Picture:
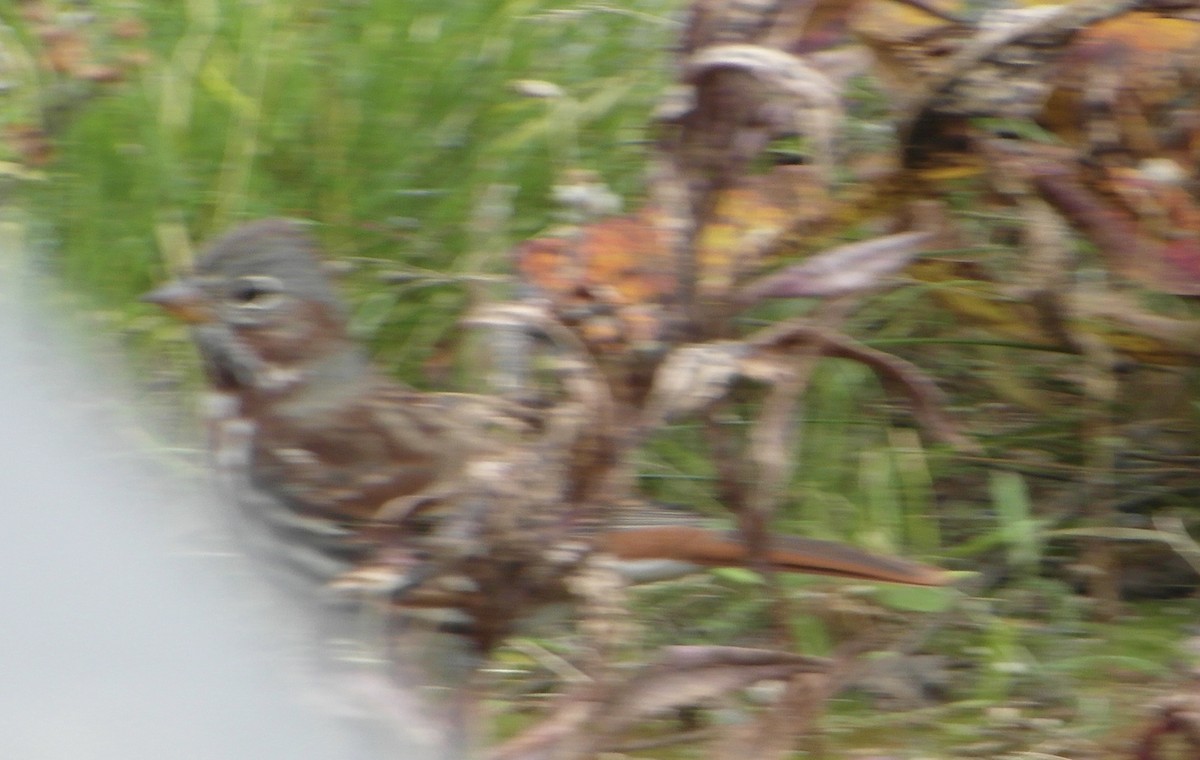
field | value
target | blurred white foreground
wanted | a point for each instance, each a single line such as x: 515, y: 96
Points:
x: 121, y: 638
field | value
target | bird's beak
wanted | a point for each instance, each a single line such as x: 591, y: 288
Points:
x: 183, y: 301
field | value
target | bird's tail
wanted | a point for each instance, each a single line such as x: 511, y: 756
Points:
x: 700, y: 547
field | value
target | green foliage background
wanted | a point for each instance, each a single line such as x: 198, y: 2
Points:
x: 390, y: 123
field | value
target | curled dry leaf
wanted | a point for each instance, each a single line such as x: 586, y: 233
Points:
x: 687, y: 675
x: 789, y: 75
x: 741, y: 88
x: 792, y: 97
x: 692, y: 377
x: 928, y: 401
x: 681, y: 677
x: 845, y: 269
x: 741, y: 98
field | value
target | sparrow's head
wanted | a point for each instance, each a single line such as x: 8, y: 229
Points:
x: 260, y: 305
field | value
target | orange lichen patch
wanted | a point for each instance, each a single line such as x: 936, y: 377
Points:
x: 541, y: 263
x: 605, y: 277
x: 625, y: 254
x: 613, y: 259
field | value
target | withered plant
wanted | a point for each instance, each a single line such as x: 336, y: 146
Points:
x: 1080, y: 118
x: 642, y: 320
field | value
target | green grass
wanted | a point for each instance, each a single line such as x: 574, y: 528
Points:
x: 390, y: 123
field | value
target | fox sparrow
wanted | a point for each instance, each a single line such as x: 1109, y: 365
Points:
x: 342, y: 473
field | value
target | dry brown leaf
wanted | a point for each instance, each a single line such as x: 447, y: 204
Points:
x: 747, y: 95
x: 1147, y: 229
x: 687, y: 675
x: 681, y: 677
x: 693, y: 377
x: 928, y: 401
x: 849, y: 268
x: 737, y: 99
x: 772, y: 733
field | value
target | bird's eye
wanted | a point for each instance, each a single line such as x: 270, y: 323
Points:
x: 256, y: 290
